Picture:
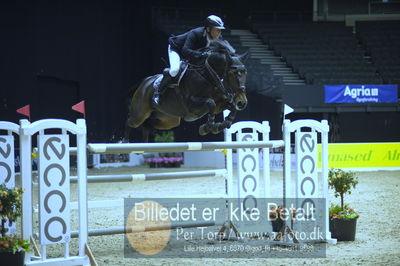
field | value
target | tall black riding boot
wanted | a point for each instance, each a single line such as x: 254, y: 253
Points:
x: 166, y: 80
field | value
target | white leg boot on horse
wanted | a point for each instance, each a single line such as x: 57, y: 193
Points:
x: 158, y: 92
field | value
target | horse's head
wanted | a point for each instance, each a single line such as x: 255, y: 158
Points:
x: 231, y: 68
x: 236, y: 80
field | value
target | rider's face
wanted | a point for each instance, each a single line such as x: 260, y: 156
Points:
x: 215, y: 33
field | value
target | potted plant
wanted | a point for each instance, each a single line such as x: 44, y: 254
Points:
x: 342, y: 218
x: 278, y: 217
x: 12, y: 248
x: 168, y: 159
x: 164, y: 136
x: 276, y: 220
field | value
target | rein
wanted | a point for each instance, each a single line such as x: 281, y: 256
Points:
x: 217, y: 80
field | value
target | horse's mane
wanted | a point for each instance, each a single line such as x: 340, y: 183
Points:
x: 221, y: 45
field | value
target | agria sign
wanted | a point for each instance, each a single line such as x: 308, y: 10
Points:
x: 54, y: 188
x: 361, y: 94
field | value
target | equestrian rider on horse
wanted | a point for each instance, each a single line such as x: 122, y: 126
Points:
x: 188, y: 45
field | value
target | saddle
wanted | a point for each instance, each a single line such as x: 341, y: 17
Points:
x: 175, y: 80
x: 182, y: 70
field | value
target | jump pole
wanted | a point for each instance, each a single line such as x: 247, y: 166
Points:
x: 123, y: 230
x: 111, y: 148
x: 152, y: 176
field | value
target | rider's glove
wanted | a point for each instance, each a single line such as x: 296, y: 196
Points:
x: 206, y: 54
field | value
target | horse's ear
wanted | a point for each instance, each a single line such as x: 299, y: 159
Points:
x: 243, y: 57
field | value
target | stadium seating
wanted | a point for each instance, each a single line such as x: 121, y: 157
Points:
x: 322, y: 53
x: 381, y: 40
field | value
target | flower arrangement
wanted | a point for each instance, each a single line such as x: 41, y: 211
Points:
x: 14, y: 244
x: 10, y: 210
x: 342, y: 182
x: 336, y: 212
x: 164, y: 161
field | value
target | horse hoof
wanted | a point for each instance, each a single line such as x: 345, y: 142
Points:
x: 203, y: 131
x: 227, y: 124
x: 215, y: 131
x: 124, y: 140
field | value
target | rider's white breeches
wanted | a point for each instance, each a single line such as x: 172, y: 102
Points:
x: 174, y: 62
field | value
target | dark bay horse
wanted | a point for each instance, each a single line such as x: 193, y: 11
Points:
x: 210, y: 88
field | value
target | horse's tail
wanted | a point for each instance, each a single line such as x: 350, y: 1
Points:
x: 132, y: 90
x: 129, y: 97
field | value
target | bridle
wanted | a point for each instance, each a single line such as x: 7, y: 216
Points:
x: 217, y: 80
x: 240, y: 88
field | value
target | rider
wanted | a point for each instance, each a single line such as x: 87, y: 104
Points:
x: 188, y: 45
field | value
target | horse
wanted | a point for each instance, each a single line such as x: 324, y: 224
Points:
x: 209, y: 88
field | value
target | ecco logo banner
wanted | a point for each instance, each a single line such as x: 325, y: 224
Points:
x: 361, y: 94
x: 54, y: 189
x: 307, y: 179
x: 249, y: 187
x: 307, y: 165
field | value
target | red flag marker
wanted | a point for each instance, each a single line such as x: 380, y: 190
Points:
x: 26, y: 111
x: 80, y: 108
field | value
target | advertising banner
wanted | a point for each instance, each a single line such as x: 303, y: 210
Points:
x: 363, y: 155
x: 361, y: 94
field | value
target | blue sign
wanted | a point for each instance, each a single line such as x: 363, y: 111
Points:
x: 361, y: 94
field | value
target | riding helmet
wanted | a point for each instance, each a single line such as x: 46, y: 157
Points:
x: 214, y: 21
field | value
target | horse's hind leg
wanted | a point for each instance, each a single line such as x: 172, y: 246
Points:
x: 147, y: 130
x: 163, y: 121
x: 136, y: 118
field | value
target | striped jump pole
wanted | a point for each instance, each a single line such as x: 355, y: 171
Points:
x: 111, y: 148
x: 124, y: 230
x: 151, y: 176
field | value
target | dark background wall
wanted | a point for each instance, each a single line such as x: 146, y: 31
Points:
x: 54, y: 54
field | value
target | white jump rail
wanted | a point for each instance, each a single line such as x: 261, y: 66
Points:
x: 111, y: 148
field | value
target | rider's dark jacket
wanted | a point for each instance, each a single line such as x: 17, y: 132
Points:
x: 188, y: 44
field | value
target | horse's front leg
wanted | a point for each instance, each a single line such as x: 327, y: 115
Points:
x: 229, y: 119
x: 220, y: 126
x: 209, y: 125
